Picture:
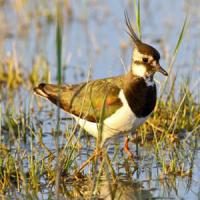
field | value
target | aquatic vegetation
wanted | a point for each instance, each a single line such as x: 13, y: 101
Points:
x: 11, y: 74
x: 41, y: 148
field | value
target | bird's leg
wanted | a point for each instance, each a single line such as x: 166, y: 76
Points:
x: 127, y: 150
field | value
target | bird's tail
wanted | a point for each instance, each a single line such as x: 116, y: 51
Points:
x: 48, y: 91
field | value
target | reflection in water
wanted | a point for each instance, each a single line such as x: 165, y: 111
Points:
x: 121, y: 189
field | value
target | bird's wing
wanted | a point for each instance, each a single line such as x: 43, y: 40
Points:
x: 93, y: 101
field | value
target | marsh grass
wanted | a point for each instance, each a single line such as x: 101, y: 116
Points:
x: 40, y: 71
x: 30, y: 168
x: 11, y: 74
x: 137, y: 16
x: 59, y: 82
x: 174, y: 55
x: 36, y: 167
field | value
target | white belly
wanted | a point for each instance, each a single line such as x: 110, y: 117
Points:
x: 121, y: 122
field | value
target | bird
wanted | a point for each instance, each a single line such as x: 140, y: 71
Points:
x: 109, y: 107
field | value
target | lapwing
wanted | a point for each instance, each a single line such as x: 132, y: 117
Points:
x: 112, y: 106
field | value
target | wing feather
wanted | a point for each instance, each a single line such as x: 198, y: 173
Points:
x: 85, y: 100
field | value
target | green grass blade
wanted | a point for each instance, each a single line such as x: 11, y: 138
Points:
x: 180, y: 39
x: 137, y: 16
x: 175, y: 52
x: 59, y: 81
x: 59, y: 46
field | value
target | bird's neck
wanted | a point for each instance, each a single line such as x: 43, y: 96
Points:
x: 140, y: 94
x: 138, y: 73
x: 149, y: 81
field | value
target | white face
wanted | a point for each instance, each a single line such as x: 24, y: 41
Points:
x: 139, y: 68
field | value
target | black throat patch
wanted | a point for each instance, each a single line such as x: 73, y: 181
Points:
x: 141, y: 98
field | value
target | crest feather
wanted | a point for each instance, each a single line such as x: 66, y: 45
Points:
x: 130, y: 30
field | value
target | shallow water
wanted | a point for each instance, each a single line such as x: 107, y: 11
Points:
x: 95, y: 45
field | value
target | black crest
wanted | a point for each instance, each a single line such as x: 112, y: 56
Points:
x: 130, y: 30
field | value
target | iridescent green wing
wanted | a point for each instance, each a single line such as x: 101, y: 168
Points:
x: 93, y: 101
x: 96, y: 99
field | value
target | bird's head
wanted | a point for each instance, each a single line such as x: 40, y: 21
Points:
x: 145, y: 59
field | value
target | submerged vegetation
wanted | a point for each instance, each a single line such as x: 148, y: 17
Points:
x: 41, y: 150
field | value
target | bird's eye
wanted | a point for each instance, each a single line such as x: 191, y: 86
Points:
x: 145, y: 60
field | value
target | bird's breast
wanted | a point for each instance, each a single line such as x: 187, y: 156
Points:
x: 123, y: 120
x: 140, y: 96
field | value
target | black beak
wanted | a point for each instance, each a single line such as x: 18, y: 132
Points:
x: 161, y: 70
